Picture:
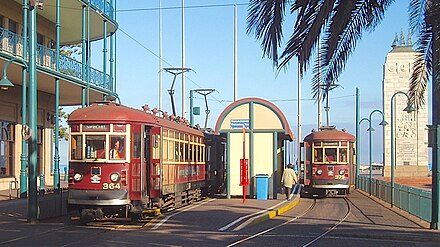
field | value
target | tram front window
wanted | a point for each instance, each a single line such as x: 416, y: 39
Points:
x: 76, y: 147
x: 330, y: 154
x: 95, y: 146
x: 117, y: 147
x: 318, y: 155
x: 343, y: 155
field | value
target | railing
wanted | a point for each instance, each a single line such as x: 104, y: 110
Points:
x: 103, y: 6
x: 12, y: 44
x: 412, y: 200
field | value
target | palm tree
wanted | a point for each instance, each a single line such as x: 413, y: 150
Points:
x: 339, y: 24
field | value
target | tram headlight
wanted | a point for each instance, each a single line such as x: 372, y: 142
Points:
x: 77, y: 177
x: 341, y: 172
x: 115, y: 177
x: 319, y: 172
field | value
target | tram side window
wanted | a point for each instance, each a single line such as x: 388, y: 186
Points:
x: 137, y: 145
x: 95, y: 146
x: 318, y: 155
x: 76, y: 147
x: 343, y: 155
x: 117, y: 150
x: 330, y: 154
x: 156, y: 146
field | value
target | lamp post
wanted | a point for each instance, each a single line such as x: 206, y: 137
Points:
x: 409, y: 108
x: 5, y: 84
x: 358, y: 151
x: 370, y: 129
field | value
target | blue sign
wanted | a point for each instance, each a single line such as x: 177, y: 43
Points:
x: 239, y: 123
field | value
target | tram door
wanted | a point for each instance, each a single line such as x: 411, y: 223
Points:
x: 305, y: 156
x: 153, y: 145
x: 145, y: 157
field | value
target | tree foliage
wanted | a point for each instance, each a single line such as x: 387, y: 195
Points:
x: 63, y: 129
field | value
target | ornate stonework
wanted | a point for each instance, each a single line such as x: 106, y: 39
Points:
x: 411, y: 136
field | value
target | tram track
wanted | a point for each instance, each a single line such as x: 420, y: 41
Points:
x: 301, y: 216
x: 333, y: 227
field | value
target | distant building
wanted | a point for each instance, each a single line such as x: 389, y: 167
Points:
x: 411, y: 136
x: 81, y: 22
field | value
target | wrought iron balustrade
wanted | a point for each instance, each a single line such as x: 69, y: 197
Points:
x: 104, y: 6
x: 12, y: 44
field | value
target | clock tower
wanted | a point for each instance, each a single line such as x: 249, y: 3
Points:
x: 410, y: 129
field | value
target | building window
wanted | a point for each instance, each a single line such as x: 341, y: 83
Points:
x: 6, y: 149
x: 13, y: 26
x: 1, y: 21
x: 40, y: 39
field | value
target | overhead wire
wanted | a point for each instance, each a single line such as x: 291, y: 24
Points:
x: 163, y: 60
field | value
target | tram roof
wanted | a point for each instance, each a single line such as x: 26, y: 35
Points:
x: 110, y: 112
x: 329, y: 133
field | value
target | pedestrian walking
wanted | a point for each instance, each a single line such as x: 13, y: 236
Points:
x: 288, y: 180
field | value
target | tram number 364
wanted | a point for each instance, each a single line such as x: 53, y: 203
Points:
x: 111, y: 186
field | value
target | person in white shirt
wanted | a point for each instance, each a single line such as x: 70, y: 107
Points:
x: 288, y: 180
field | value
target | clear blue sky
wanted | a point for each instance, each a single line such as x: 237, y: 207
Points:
x: 209, y: 52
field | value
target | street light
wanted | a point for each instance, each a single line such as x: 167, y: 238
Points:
x: 370, y: 129
x: 5, y: 83
x: 409, y: 108
x: 358, y: 151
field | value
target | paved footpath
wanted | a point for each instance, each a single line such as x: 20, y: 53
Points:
x: 371, y: 218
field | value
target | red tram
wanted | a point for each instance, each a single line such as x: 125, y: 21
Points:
x: 327, y: 162
x: 125, y: 161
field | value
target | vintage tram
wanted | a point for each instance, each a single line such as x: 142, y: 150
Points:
x: 327, y: 161
x: 125, y: 161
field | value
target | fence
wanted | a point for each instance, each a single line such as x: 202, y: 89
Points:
x: 412, y: 200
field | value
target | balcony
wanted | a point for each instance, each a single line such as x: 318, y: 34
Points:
x: 12, y: 44
x: 71, y: 14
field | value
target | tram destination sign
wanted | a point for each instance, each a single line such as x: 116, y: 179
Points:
x: 96, y: 127
x: 239, y: 123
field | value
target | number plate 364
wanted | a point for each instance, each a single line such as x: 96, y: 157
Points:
x: 111, y: 186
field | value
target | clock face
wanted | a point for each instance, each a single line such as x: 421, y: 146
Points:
x: 392, y: 68
x: 404, y: 67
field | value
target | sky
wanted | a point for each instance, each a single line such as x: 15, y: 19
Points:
x: 209, y: 54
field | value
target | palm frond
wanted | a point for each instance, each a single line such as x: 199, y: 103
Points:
x: 265, y: 21
x: 417, y: 15
x: 418, y: 81
x: 306, y: 33
x: 365, y: 17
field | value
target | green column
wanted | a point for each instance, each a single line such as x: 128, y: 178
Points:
x: 358, y: 156
x: 56, y: 170
x: 191, y: 105
x: 435, y: 124
x: 435, y: 181
x: 24, y: 147
x: 32, y: 200
x: 275, y: 166
x: 104, y: 53
x: 83, y: 53
x: 228, y: 168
